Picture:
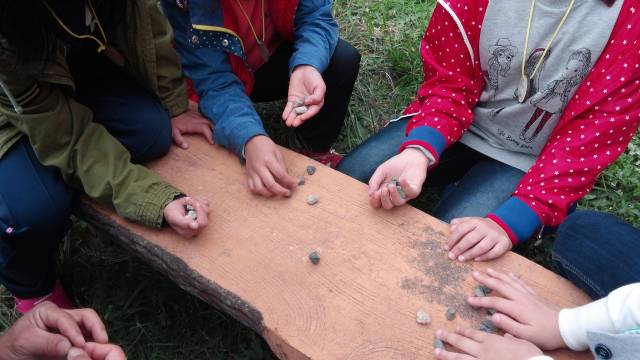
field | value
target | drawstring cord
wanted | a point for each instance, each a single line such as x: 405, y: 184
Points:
x: 13, y: 101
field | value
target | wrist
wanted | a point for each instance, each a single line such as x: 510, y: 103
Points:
x: 417, y: 157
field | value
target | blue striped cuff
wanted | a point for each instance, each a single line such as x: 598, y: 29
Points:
x: 519, y: 217
x: 429, y: 135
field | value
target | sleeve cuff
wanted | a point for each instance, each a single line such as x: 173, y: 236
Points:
x: 300, y: 59
x: 517, y: 219
x: 575, y: 323
x: 151, y: 208
x: 427, y: 137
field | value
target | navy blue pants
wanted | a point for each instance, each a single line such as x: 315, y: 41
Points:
x: 598, y: 252
x: 35, y: 203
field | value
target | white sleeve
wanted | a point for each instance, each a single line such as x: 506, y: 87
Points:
x: 618, y: 312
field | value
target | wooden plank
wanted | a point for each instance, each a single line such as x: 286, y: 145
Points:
x: 377, y: 268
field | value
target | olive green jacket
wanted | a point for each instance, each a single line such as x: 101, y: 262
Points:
x: 63, y: 134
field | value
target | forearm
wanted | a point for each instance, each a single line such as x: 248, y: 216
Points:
x: 316, y: 35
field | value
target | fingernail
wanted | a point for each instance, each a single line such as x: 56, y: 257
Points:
x: 460, y: 258
x: 446, y: 247
x: 475, y: 273
x: 75, y: 352
x: 452, y: 256
x: 439, y: 333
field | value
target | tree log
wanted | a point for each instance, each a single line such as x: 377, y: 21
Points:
x: 377, y: 267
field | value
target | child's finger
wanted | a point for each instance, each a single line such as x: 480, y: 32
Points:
x: 179, y: 139
x: 467, y: 242
x: 478, y: 336
x: 374, y: 200
x: 463, y: 343
x: 458, y: 231
x: 396, y: 199
x: 442, y: 354
x: 481, y: 248
x: 522, y: 284
x: 496, y: 284
x: 287, y: 111
x: 509, y: 325
x: 507, y: 280
x: 377, y: 179
x: 498, y: 250
x: 385, y: 198
x: 502, y: 305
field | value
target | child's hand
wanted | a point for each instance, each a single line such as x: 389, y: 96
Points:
x: 176, y: 216
x: 475, y: 344
x: 474, y: 238
x: 306, y: 86
x: 410, y: 167
x: 521, y: 312
x: 190, y: 122
x: 266, y: 172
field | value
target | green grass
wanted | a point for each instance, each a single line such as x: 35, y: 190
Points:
x: 154, y: 319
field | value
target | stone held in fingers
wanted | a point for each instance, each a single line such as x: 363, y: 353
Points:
x: 396, y: 183
x: 311, y: 169
x: 438, y: 344
x: 312, y: 199
x: 191, y: 212
x: 314, y: 257
x: 301, y: 181
x: 301, y: 110
x: 451, y: 313
x: 423, y: 318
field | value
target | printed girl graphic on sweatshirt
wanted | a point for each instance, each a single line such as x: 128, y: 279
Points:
x: 502, y: 53
x: 555, y: 95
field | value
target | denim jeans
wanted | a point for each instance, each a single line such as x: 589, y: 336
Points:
x: 36, y: 200
x: 598, y: 252
x: 474, y: 184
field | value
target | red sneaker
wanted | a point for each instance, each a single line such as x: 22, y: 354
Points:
x: 58, y: 296
x: 330, y: 158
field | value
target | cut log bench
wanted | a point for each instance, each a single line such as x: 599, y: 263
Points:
x: 377, y: 268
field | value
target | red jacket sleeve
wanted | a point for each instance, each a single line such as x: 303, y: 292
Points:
x: 569, y: 165
x: 452, y: 82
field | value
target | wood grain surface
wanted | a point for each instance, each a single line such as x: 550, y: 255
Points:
x: 377, y: 267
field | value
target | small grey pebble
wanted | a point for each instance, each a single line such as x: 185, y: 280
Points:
x: 451, y: 313
x: 191, y: 214
x: 314, y: 257
x: 422, y: 317
x: 488, y: 326
x: 438, y: 344
x: 312, y: 199
x: 482, y: 291
x: 491, y: 311
x: 301, y: 110
x: 396, y: 183
x: 311, y: 169
x: 301, y: 181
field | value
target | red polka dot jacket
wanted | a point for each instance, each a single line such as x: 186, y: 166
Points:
x: 595, y: 128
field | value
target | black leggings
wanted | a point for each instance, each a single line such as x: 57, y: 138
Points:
x: 319, y: 133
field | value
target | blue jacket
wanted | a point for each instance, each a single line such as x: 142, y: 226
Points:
x: 222, y: 96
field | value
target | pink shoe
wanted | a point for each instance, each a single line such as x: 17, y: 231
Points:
x: 58, y: 296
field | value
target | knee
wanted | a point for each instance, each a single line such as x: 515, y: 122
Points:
x: 43, y: 215
x: 153, y: 139
x: 346, y: 59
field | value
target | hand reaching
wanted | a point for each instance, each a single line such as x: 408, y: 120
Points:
x: 410, y: 167
x: 474, y: 344
x: 306, y: 88
x: 475, y: 238
x: 175, y: 214
x: 190, y: 122
x: 521, y: 312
